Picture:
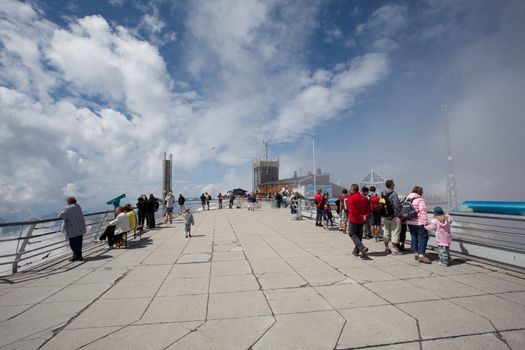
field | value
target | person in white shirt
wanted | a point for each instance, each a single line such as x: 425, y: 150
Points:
x: 116, y: 228
x: 170, y: 203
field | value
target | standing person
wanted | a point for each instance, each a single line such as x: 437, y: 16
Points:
x: 232, y: 198
x: 367, y: 233
x: 344, y: 211
x: 74, y: 227
x: 153, y: 206
x: 142, y: 210
x: 220, y: 198
x: 181, y: 202
x: 208, y: 199
x: 391, y: 222
x: 278, y: 199
x: 318, y: 199
x: 203, y: 201
x: 357, y: 217
x: 188, y: 221
x: 170, y: 204
x: 440, y: 225
x: 418, y: 233
x: 374, y: 219
x: 403, y: 231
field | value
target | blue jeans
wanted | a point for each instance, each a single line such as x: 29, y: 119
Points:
x: 419, y: 239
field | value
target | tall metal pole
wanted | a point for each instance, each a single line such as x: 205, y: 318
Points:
x: 313, y: 158
x: 452, y: 198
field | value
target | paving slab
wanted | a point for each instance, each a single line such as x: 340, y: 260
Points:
x: 111, y: 312
x: 79, y: 292
x: 488, y: 283
x: 503, y: 314
x: 184, y: 286
x: 149, y: 272
x: 515, y: 339
x: 444, y: 287
x: 515, y: 297
x: 292, y: 300
x: 180, y: 308
x: 76, y: 338
x: 218, y: 334
x: 190, y: 270
x: 367, y: 274
x: 400, y: 291
x: 139, y: 337
x: 441, y: 318
x: 312, y: 330
x: 472, y: 342
x: 133, y: 289
x: 240, y: 304
x: 236, y: 283
x: 350, y: 296
x: 280, y: 280
x: 384, y: 324
x: 229, y: 268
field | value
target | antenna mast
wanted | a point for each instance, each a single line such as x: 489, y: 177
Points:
x: 452, y: 197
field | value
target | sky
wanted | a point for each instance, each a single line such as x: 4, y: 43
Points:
x: 92, y: 93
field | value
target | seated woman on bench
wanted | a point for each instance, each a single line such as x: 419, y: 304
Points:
x: 117, y: 229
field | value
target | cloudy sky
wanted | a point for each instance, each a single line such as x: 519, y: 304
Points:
x: 92, y: 94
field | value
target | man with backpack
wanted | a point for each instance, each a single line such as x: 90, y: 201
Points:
x: 357, y: 217
x: 374, y: 219
x: 390, y: 211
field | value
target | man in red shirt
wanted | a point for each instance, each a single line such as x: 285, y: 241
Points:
x: 358, y: 210
x: 318, y: 198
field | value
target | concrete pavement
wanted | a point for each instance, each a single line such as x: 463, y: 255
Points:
x: 262, y: 280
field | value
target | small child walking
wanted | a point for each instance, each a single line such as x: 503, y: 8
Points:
x: 440, y: 225
x: 188, y: 221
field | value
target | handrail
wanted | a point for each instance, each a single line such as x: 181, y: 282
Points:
x: 41, y: 221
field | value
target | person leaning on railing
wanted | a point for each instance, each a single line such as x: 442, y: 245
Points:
x: 74, y: 227
x: 116, y: 228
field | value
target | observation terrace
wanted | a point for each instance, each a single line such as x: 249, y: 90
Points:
x: 263, y: 280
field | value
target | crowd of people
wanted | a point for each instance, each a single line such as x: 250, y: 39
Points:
x: 362, y: 213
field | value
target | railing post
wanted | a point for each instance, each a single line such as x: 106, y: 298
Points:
x: 21, y: 249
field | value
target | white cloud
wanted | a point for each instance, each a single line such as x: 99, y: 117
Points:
x: 386, y: 21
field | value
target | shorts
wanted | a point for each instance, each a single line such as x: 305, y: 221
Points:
x: 344, y: 216
x: 169, y: 210
x: 187, y: 227
x: 374, y: 219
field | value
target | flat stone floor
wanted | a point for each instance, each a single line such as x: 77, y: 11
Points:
x: 259, y: 280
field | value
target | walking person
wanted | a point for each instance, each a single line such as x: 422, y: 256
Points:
x: 440, y: 225
x: 142, y: 210
x: 203, y: 201
x: 188, y: 221
x: 418, y: 233
x: 170, y: 204
x: 357, y: 216
x: 220, y: 197
x: 318, y: 199
x: 74, y: 227
x: 181, y: 200
x: 231, y: 198
x: 391, y: 220
x: 208, y: 199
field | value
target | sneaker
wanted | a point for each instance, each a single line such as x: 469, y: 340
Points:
x: 416, y: 257
x: 388, y: 251
x: 442, y: 263
x: 355, y: 252
x: 186, y: 236
x: 401, y: 247
x: 423, y: 259
x: 395, y: 252
x: 364, y: 251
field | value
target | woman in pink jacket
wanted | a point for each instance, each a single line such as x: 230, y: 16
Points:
x: 418, y: 233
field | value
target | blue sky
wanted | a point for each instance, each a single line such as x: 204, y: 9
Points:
x: 92, y: 93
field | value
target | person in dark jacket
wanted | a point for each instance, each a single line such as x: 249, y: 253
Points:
x: 203, y: 201
x: 142, y: 210
x: 152, y: 208
x: 181, y: 201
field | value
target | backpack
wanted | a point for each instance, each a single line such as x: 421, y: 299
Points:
x: 374, y: 203
x: 408, y: 212
x: 386, y: 208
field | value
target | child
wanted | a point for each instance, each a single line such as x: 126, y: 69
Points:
x: 188, y: 221
x: 440, y: 225
x: 327, y: 216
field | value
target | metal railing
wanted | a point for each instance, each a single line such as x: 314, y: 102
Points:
x: 25, y: 244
